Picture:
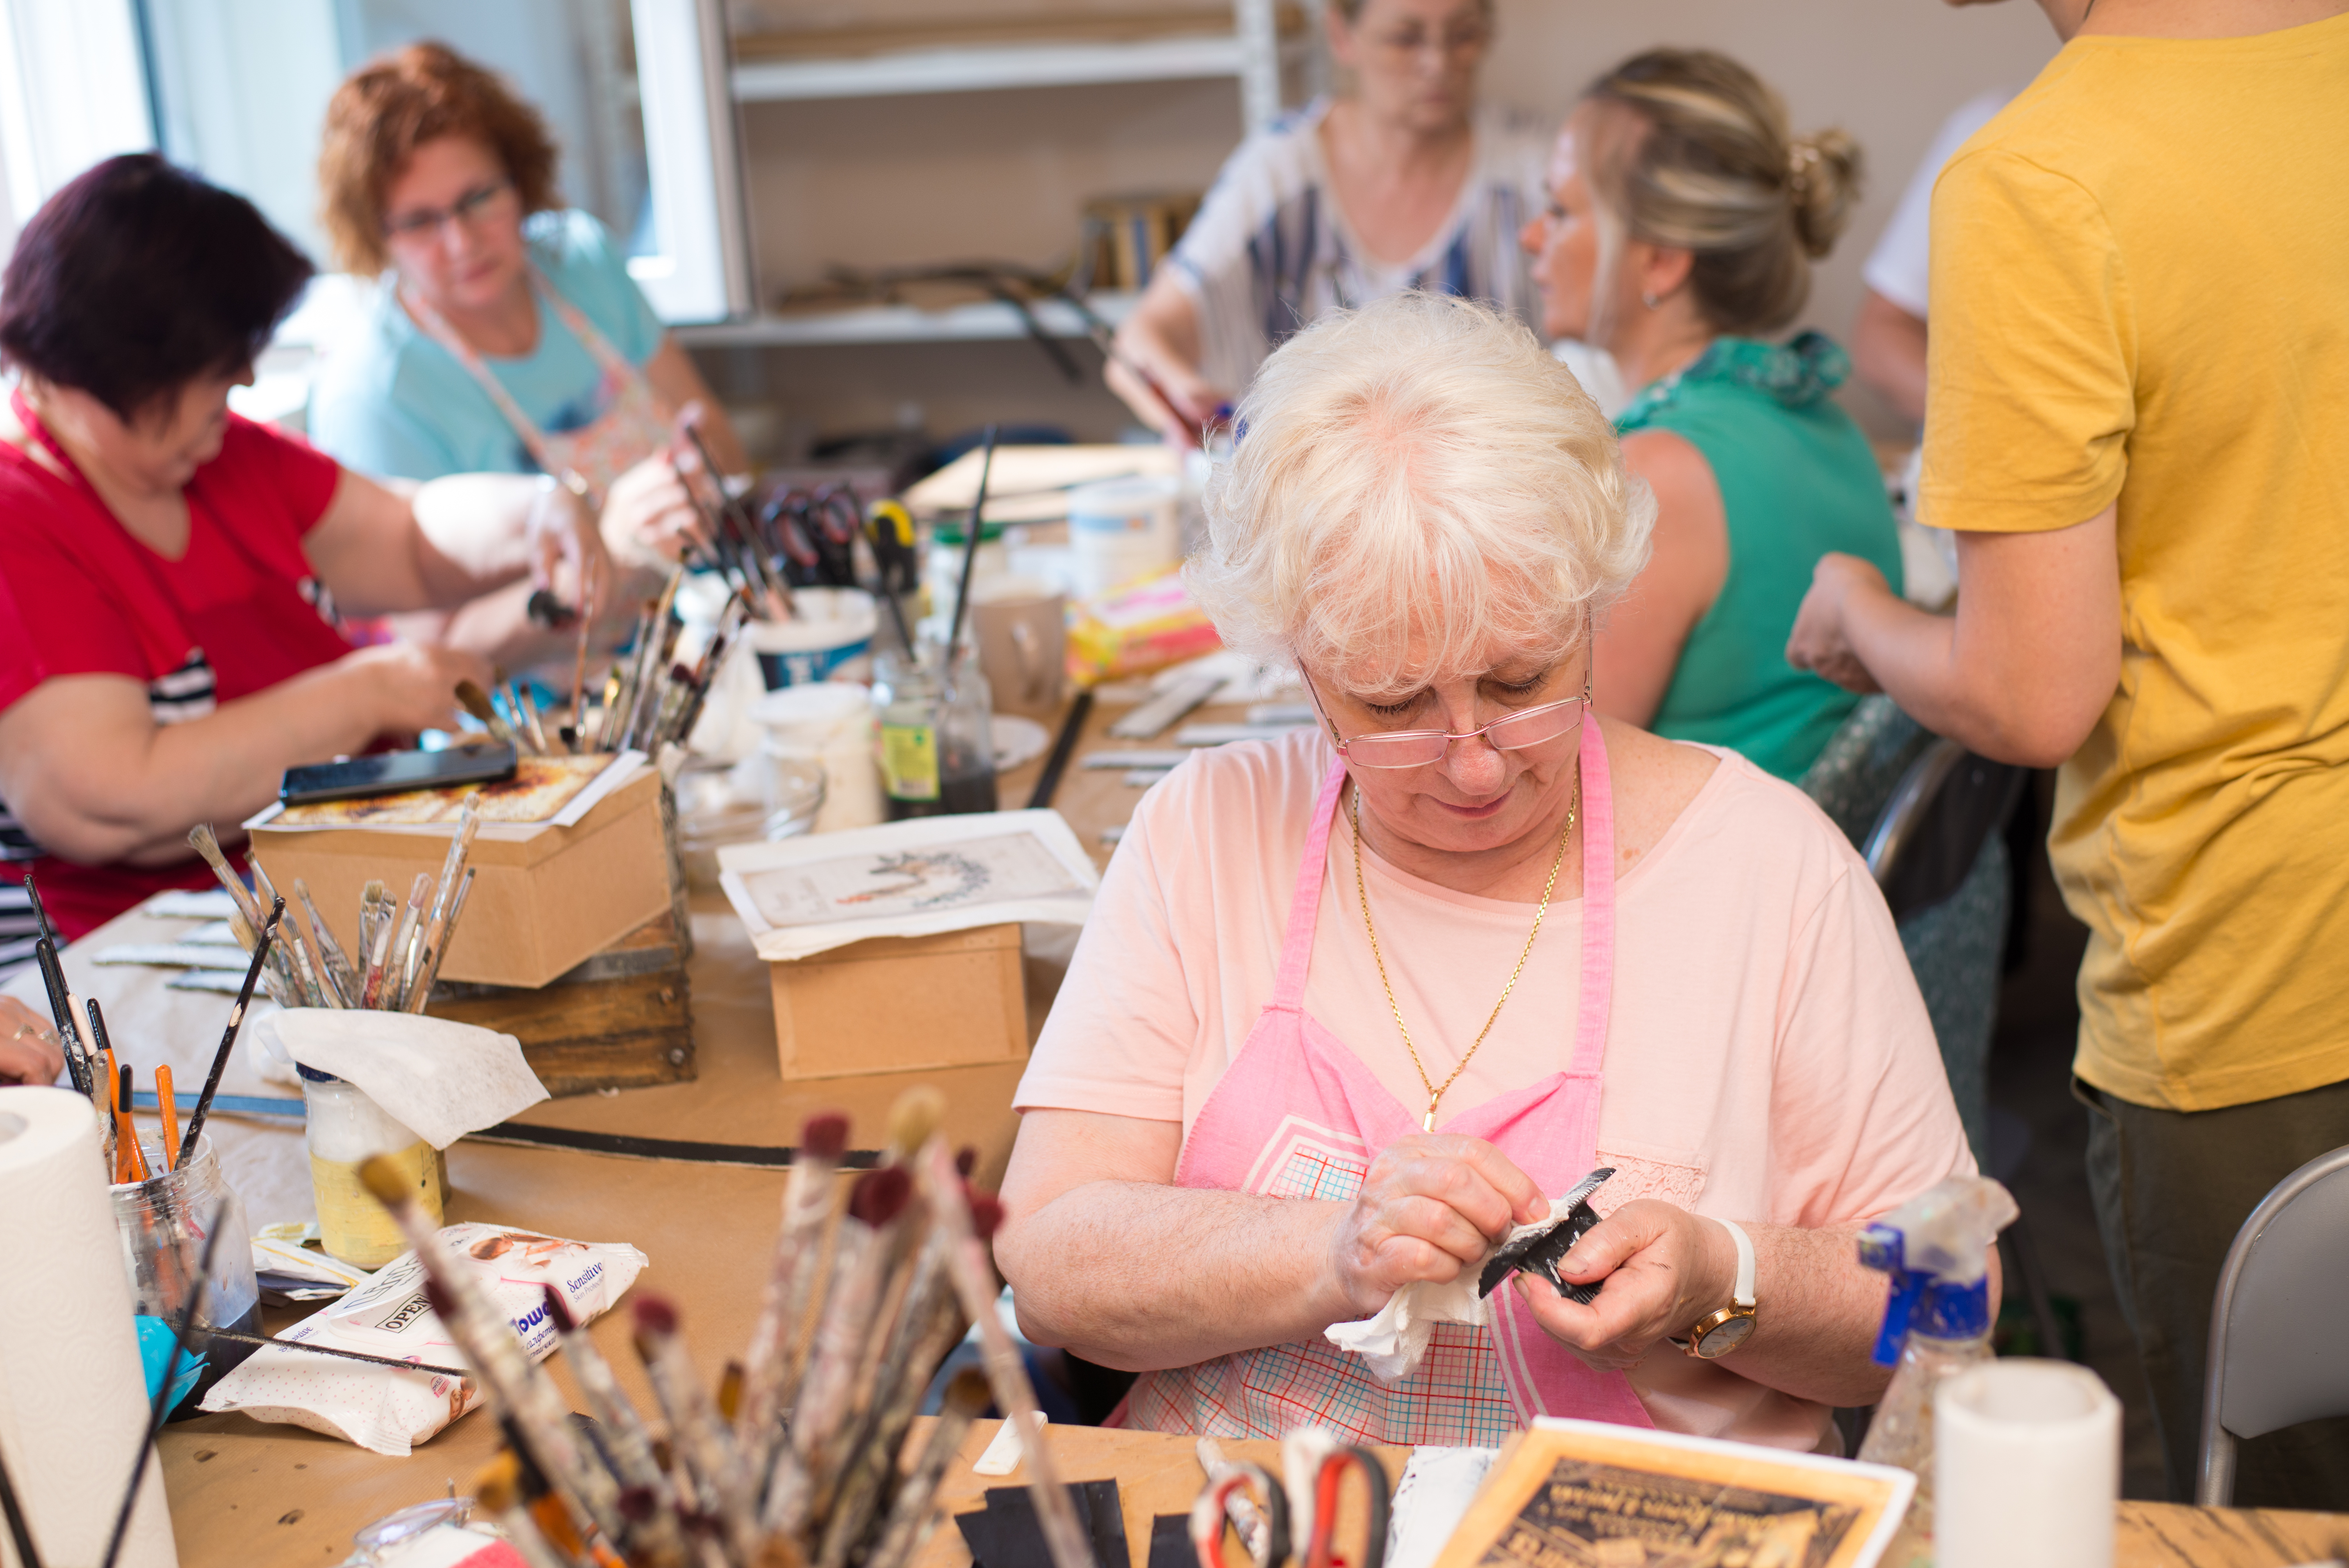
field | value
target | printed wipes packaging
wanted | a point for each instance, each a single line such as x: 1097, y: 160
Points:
x: 389, y: 1410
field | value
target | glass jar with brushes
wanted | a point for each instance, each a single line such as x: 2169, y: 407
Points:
x: 162, y: 1225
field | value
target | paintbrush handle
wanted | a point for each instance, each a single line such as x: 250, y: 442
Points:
x: 228, y: 1037
x: 912, y: 1513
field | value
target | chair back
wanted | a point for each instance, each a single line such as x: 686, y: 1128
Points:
x: 1930, y: 833
x: 2277, y: 1357
x: 1862, y: 763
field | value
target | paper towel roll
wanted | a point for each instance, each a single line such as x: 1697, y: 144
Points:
x: 73, y: 1398
x: 2026, y: 1467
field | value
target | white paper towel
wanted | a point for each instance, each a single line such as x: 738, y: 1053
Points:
x: 73, y: 1398
x: 438, y: 1079
x: 2026, y: 1467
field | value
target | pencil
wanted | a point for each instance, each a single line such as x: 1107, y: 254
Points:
x: 170, y: 1109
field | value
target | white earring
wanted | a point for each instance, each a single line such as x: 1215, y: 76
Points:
x: 1651, y: 301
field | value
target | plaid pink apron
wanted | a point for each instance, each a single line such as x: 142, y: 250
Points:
x: 632, y: 426
x: 1298, y: 1115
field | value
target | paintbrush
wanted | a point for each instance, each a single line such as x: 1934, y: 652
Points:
x: 460, y: 844
x: 375, y: 915
x: 804, y: 1468
x: 771, y: 1367
x: 587, y: 608
x: 696, y: 1432
x: 497, y: 1493
x: 53, y: 979
x: 420, y: 991
x: 169, y: 1109
x: 970, y: 556
x: 475, y: 701
x: 19, y: 1532
x: 336, y: 963
x: 205, y: 843
x: 733, y: 512
x: 228, y: 1037
x: 102, y: 1078
x: 972, y: 1272
x: 132, y: 1158
x: 914, y: 1513
x: 518, y: 1389
x: 651, y: 1516
x: 530, y: 716
x: 288, y: 958
x: 308, y: 1348
x: 309, y: 968
x: 403, y: 943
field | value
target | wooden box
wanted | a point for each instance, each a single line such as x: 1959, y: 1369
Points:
x: 623, y: 1019
x: 902, y: 1004
x: 546, y: 899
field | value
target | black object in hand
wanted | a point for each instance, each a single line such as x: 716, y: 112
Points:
x: 550, y: 612
x: 1540, y: 1252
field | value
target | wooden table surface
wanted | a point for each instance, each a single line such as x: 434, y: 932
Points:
x: 245, y: 1494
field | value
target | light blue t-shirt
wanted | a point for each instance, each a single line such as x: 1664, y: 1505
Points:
x: 394, y: 403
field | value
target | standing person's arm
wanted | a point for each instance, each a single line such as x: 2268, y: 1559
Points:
x: 2033, y: 400
x: 1888, y: 353
x: 2019, y: 673
x: 1156, y: 370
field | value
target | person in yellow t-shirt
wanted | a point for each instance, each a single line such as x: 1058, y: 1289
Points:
x: 2138, y: 420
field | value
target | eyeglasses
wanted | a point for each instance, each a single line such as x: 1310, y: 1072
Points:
x: 1413, y: 41
x: 1418, y: 747
x: 427, y: 222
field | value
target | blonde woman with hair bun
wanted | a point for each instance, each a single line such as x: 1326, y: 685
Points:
x: 1682, y: 223
x: 1353, y: 1001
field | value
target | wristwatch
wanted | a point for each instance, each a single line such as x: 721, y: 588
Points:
x: 1714, y: 1336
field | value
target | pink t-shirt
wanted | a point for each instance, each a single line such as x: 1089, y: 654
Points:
x: 1769, y: 1058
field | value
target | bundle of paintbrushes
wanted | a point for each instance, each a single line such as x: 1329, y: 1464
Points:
x: 90, y: 1052
x: 652, y: 697
x: 400, y: 947
x: 734, y: 547
x: 794, y: 1459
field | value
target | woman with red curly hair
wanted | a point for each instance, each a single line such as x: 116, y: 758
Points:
x: 508, y: 335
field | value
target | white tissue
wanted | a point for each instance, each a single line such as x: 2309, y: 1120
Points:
x: 440, y: 1079
x: 1393, y: 1343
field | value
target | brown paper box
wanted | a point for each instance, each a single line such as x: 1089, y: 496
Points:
x: 902, y: 1004
x: 544, y: 901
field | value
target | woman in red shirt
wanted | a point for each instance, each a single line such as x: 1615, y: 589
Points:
x: 171, y: 573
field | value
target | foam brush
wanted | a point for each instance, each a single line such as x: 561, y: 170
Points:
x: 973, y: 1272
x: 518, y: 1389
x: 650, y: 1533
x: 771, y: 1367
x: 206, y: 843
x: 337, y: 963
x: 913, y: 1514
x: 859, y: 1252
x: 696, y: 1430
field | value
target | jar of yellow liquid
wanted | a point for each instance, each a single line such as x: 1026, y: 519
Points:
x: 345, y: 1128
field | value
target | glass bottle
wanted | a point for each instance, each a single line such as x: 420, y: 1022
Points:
x: 345, y: 1127
x: 935, y: 734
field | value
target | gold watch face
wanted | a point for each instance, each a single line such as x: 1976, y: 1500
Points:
x: 1723, y: 1336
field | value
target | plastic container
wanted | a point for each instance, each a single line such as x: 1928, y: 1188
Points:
x: 829, y: 637
x: 942, y: 564
x: 344, y: 1128
x: 936, y: 735
x: 829, y: 725
x: 1121, y: 529
x: 162, y: 1225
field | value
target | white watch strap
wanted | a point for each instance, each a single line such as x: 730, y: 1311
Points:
x: 1744, y: 1293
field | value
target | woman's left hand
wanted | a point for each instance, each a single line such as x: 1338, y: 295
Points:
x: 30, y: 1049
x: 1663, y: 1269
x: 566, y: 551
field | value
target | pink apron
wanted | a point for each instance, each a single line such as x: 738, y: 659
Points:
x: 1298, y: 1115
x: 631, y: 428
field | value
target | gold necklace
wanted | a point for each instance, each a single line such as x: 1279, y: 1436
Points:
x: 1435, y: 1091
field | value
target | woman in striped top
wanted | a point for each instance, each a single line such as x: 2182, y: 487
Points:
x: 1404, y: 183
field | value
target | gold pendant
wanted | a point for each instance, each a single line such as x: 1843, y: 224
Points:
x: 1427, y: 1122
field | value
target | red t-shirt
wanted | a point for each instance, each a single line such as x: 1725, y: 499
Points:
x: 238, y: 613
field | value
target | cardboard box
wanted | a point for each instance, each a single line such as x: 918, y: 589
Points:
x: 902, y: 1004
x: 545, y: 900
x: 623, y: 1019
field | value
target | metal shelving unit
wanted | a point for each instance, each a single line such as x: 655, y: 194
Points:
x: 987, y: 322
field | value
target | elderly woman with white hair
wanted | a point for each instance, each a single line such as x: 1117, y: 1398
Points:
x: 1356, y: 1001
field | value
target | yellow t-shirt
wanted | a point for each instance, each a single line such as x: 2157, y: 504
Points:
x: 2140, y: 293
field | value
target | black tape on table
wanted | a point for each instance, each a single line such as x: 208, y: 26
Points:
x: 1007, y: 1534
x: 1170, y: 1541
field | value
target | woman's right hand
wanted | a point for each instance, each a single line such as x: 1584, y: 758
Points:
x: 648, y: 517
x: 414, y: 685
x: 30, y: 1049
x: 1430, y: 1205
x: 1157, y: 366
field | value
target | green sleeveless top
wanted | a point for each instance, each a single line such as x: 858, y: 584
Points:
x: 1797, y: 480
